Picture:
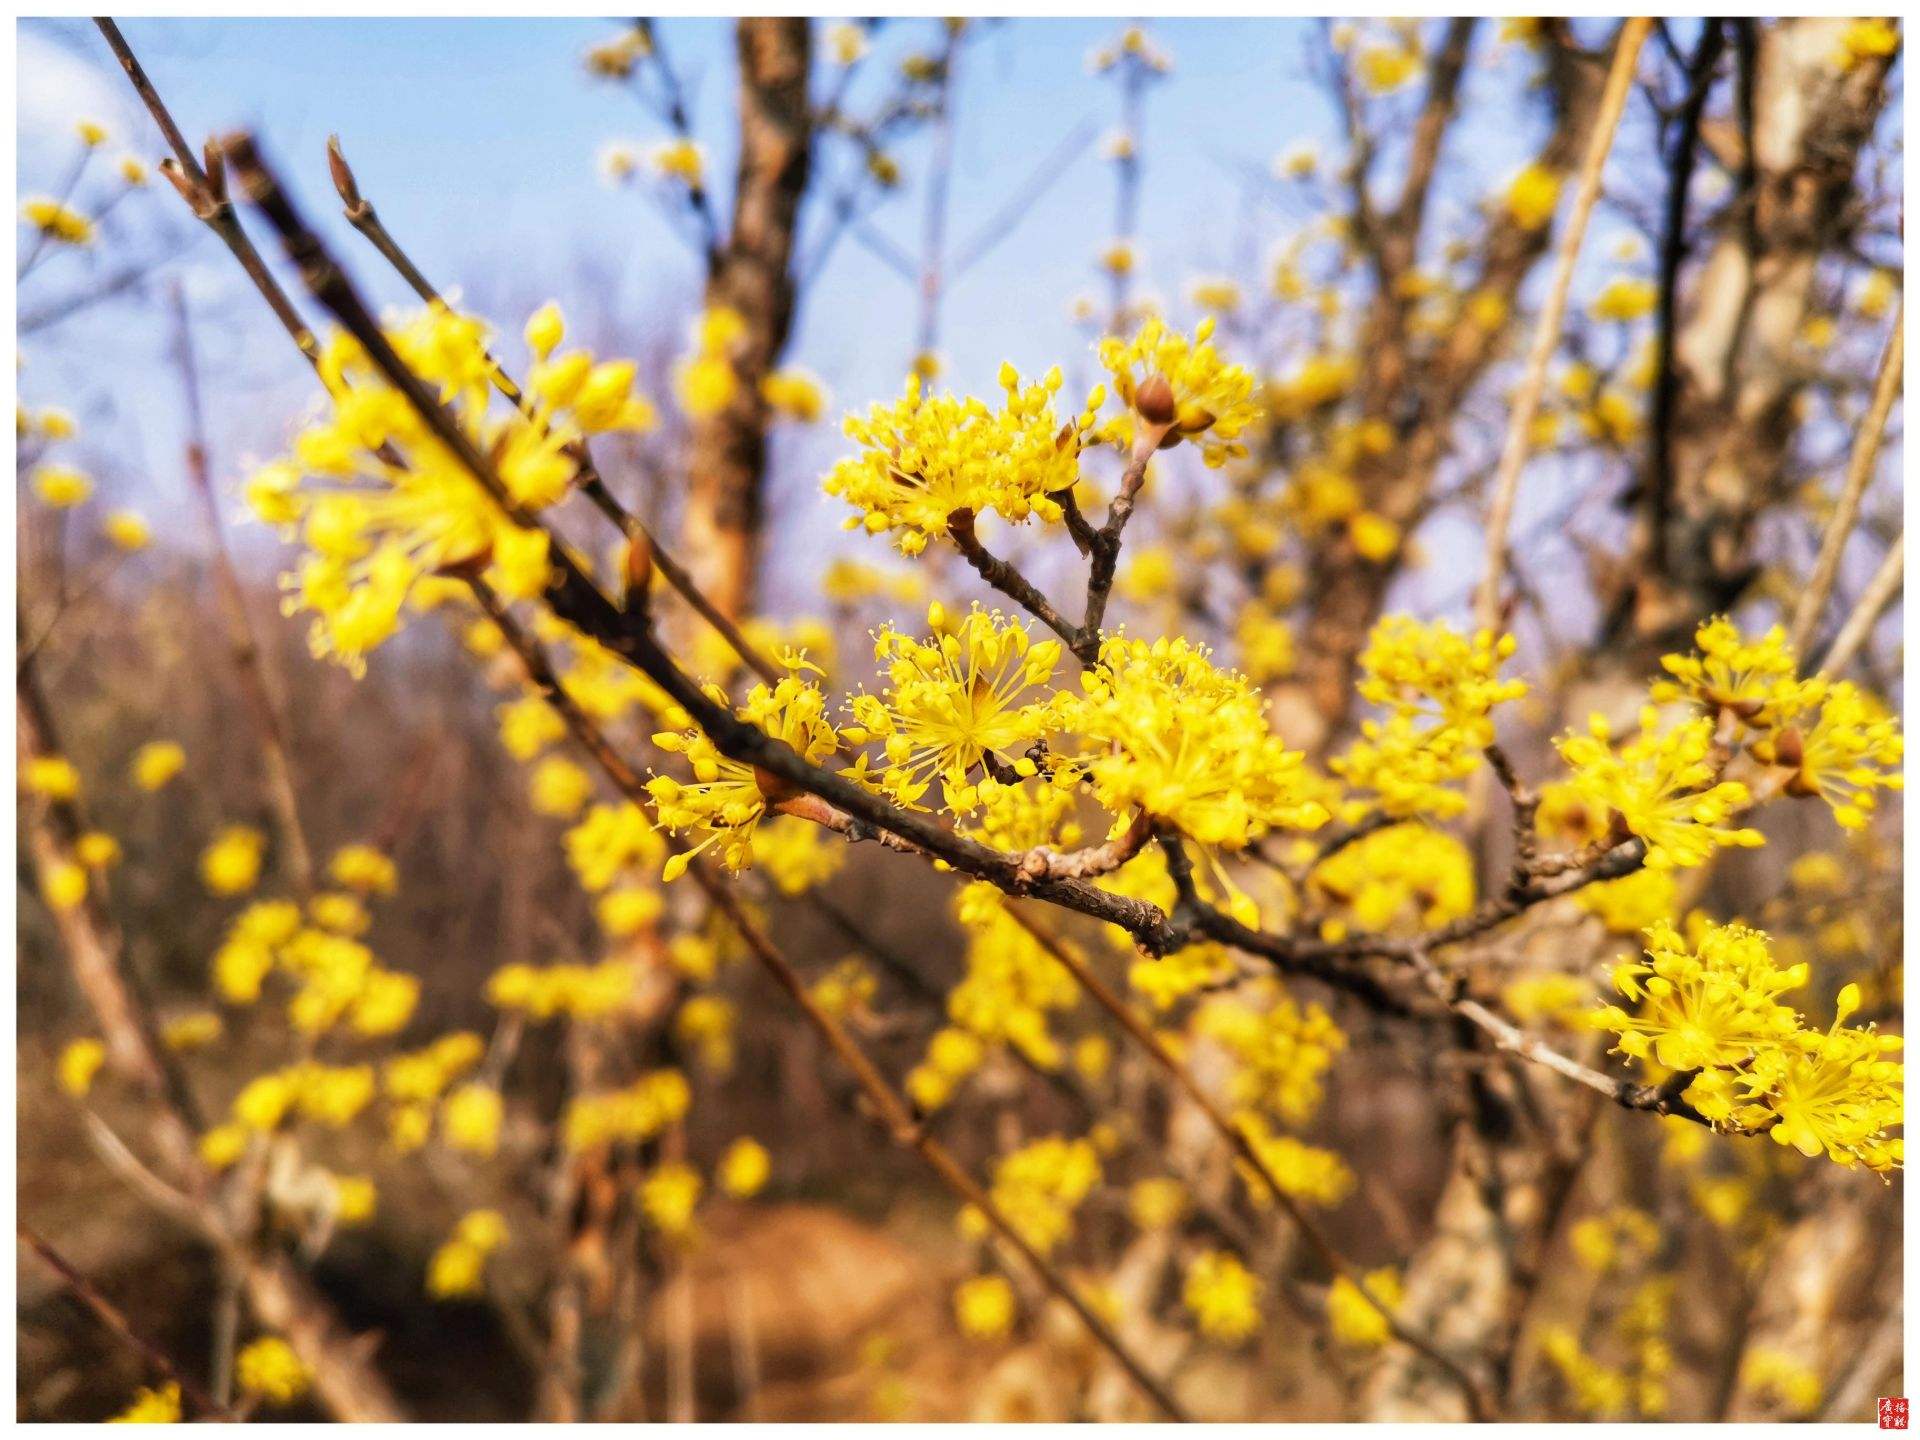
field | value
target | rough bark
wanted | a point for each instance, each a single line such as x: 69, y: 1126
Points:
x: 1737, y: 373
x: 752, y: 274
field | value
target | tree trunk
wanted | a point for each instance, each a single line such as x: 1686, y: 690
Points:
x: 752, y: 275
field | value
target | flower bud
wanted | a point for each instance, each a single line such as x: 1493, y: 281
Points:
x: 636, y: 568
x: 1153, y: 402
x: 343, y: 180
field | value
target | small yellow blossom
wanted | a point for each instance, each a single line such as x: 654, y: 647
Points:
x: 269, y: 1369
x: 80, y: 1061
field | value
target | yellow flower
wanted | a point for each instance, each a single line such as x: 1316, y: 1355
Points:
x: 1753, y: 679
x: 1157, y: 1203
x: 668, y: 1196
x: 609, y: 842
x: 223, y: 1145
x: 1787, y: 1381
x: 1872, y: 38
x: 952, y: 704
x: 269, y: 1368
x: 1281, y: 1052
x: 1385, y: 68
x: 158, y: 1406
x: 1357, y: 1322
x: 559, y: 787
x: 132, y: 170
x: 1223, y: 1296
x: 1039, y: 1186
x: 471, y: 1119
x: 231, y: 864
x: 1533, y: 197
x: 354, y: 1198
x: 794, y: 394
x: 92, y: 133
x: 60, y: 223
x: 64, y: 885
x: 1852, y: 748
x: 80, y: 1061
x: 1440, y: 690
x: 745, y: 1168
x: 1404, y: 877
x: 724, y: 798
x: 679, y: 159
x: 1662, y: 788
x: 51, y: 776
x: 61, y: 486
x: 1185, y: 383
x: 128, y: 530
x: 1714, y: 1004
x: 846, y: 43
x: 984, y: 1307
x: 157, y: 762
x: 1624, y: 299
x: 193, y: 1032
x: 925, y: 457
x: 1168, y: 734
x: 363, y: 868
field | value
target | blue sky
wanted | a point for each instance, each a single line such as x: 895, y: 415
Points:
x: 477, y: 140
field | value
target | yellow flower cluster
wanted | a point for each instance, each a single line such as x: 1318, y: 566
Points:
x: 956, y: 701
x: 668, y: 1196
x: 1439, y: 689
x: 724, y: 801
x: 458, y: 1267
x: 1303, y: 1171
x: 158, y: 1406
x: 1166, y: 379
x: 1662, y: 787
x: 1403, y: 876
x: 639, y: 1112
x: 706, y: 381
x: 380, y: 504
x: 326, y: 1095
x: 269, y: 1368
x: 1040, y: 1185
x: 1169, y: 735
x: 1355, y: 1321
x: 1281, y: 1052
x: 923, y: 458
x: 1223, y: 1296
x: 984, y: 1307
x: 581, y: 992
x: 1714, y: 1006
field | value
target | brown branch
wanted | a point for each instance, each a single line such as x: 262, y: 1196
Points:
x: 206, y: 194
x: 111, y: 1316
x: 1007, y: 579
x: 1666, y: 1098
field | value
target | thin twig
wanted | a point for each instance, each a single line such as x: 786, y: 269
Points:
x: 1546, y: 334
x: 115, y: 1320
x: 1885, y: 584
x: 1860, y: 470
x: 248, y: 661
x: 1242, y: 1144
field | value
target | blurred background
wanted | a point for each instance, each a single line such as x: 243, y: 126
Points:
x: 973, y: 194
